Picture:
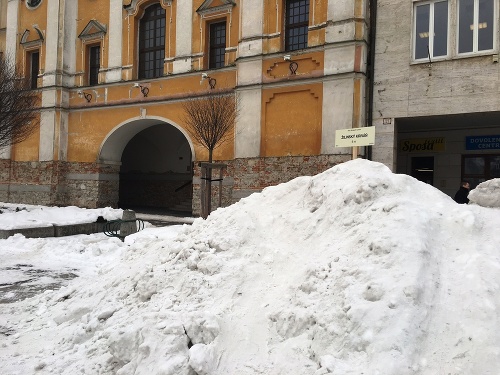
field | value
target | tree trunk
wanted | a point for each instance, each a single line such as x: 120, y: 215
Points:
x: 209, y: 182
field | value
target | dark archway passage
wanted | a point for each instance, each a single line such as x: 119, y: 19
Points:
x: 156, y: 171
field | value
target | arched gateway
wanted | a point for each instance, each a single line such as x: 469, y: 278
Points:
x: 155, y: 157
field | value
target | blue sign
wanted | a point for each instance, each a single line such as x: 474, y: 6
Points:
x: 483, y: 142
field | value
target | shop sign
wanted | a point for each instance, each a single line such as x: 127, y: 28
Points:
x: 422, y: 145
x: 483, y: 142
x: 352, y: 137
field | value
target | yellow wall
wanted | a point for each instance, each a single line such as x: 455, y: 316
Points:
x: 90, y: 123
x: 291, y: 102
x: 100, y: 13
x: 88, y: 129
x: 291, y: 121
x: 27, y: 150
x: 3, y: 14
x: 28, y: 18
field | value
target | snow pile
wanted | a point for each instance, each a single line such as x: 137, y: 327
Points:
x: 353, y: 271
x: 14, y: 216
x: 486, y: 194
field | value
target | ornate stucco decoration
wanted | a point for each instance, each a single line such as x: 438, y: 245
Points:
x: 26, y: 43
x: 93, y: 30
x: 215, y: 6
x: 133, y: 6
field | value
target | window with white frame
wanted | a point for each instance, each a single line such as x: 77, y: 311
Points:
x: 476, y: 26
x: 430, y: 30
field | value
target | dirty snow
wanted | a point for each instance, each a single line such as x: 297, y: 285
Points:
x: 354, y: 271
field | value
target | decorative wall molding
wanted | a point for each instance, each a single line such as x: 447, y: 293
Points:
x: 208, y: 6
x: 133, y: 6
x: 32, y: 43
x: 93, y: 30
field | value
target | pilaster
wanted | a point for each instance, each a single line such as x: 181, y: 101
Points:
x: 183, y: 40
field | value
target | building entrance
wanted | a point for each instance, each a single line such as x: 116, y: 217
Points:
x: 422, y: 168
x: 156, y: 170
x: 445, y: 150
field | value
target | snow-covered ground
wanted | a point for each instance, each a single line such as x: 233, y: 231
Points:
x: 15, y: 216
x: 353, y: 271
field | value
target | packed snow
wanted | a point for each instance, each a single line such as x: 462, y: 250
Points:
x: 353, y: 271
x: 16, y: 216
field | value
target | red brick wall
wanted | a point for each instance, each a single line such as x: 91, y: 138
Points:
x: 244, y: 176
x: 95, y: 185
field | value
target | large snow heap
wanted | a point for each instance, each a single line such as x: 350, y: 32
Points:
x: 354, y: 271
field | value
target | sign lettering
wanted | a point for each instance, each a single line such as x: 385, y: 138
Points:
x: 484, y: 142
x: 355, y: 137
x: 422, y: 145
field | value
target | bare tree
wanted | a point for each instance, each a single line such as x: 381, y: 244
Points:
x: 210, y: 121
x: 18, y: 105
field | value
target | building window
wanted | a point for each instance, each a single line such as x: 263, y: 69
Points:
x: 33, y: 3
x: 430, y: 30
x: 94, y: 64
x: 296, y: 24
x: 34, y: 67
x: 475, y: 25
x: 152, y: 42
x: 217, y: 45
x: 480, y: 168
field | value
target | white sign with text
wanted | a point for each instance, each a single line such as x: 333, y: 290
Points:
x: 355, y: 137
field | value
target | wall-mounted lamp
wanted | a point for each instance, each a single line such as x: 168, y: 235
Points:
x: 144, y: 89
x: 86, y: 95
x: 287, y: 58
x: 211, y: 81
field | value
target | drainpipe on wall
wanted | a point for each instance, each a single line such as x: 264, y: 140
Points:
x: 371, y: 69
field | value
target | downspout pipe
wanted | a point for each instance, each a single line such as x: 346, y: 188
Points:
x: 371, y: 69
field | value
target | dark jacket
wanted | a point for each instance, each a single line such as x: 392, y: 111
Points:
x: 461, y: 195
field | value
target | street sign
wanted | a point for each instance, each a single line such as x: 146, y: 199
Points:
x: 355, y: 137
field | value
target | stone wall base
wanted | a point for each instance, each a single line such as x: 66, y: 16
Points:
x: 93, y: 185
x: 249, y: 175
x: 88, y: 185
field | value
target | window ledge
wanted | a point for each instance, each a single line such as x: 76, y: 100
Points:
x: 491, y: 53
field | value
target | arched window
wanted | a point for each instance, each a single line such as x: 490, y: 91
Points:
x: 152, y: 42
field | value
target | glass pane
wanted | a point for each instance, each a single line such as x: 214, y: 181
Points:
x: 474, y: 181
x: 465, y: 26
x: 495, y: 167
x: 152, y: 42
x: 474, y: 165
x: 217, y: 45
x: 485, y: 25
x: 297, y: 16
x: 422, y: 31
x: 440, y: 29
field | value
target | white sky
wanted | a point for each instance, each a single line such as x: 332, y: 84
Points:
x: 353, y: 271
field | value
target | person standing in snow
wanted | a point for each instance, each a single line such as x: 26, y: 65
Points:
x: 462, y: 193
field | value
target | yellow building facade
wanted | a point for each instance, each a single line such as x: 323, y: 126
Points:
x: 113, y: 76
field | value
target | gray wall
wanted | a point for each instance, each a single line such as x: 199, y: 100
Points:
x: 404, y: 89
